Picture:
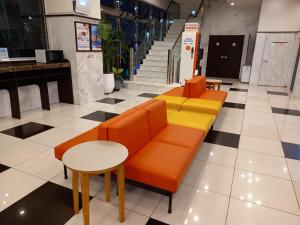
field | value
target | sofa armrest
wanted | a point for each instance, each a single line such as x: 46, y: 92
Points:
x: 89, y: 135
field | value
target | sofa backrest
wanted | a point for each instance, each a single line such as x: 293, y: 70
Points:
x: 103, y: 127
x: 197, y: 86
x: 132, y: 131
x: 156, y: 115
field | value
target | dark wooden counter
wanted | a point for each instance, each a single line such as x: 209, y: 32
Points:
x: 14, y: 75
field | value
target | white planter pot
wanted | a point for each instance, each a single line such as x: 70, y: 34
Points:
x: 109, y: 82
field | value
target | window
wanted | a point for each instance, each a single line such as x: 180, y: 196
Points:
x: 22, y: 27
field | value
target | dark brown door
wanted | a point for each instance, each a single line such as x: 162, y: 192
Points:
x: 224, y: 56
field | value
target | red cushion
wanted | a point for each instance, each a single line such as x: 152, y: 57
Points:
x: 132, y: 131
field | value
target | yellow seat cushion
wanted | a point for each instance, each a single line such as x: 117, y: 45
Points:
x: 201, y: 121
x: 202, y: 105
x: 173, y: 102
x: 171, y: 110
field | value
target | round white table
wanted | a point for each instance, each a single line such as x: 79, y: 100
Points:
x: 212, y: 83
x: 91, y: 159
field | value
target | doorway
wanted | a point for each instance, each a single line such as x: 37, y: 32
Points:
x: 224, y: 56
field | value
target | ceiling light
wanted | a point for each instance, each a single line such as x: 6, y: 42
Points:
x: 232, y: 4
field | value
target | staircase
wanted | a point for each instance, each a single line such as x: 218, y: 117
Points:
x: 152, y: 75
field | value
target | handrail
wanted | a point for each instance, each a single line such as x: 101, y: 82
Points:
x: 188, y: 18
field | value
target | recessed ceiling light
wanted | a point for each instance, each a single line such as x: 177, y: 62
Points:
x: 232, y: 3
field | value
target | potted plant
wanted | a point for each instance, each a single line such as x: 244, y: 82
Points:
x: 113, y: 47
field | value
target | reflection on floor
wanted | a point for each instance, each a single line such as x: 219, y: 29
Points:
x: 246, y: 172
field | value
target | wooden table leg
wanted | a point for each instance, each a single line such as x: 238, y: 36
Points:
x: 85, y: 198
x: 75, y: 192
x: 107, y: 186
x: 219, y: 86
x: 121, y: 192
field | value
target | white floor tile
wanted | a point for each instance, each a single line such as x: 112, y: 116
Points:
x: 137, y: 199
x: 80, y: 125
x: 20, y: 151
x: 15, y: 185
x: 241, y: 213
x: 228, y: 125
x: 209, y: 176
x: 258, y: 106
x: 294, y: 167
x: 53, y: 137
x: 6, y: 140
x: 9, y: 122
x: 44, y: 166
x: 54, y: 120
x: 297, y: 190
x: 259, y: 115
x: 289, y: 131
x: 260, y: 128
x: 282, y: 118
x: 96, y: 182
x: 192, y: 206
x: 217, y: 154
x: 107, y: 214
x: 264, y: 190
x: 262, y: 163
x: 260, y: 145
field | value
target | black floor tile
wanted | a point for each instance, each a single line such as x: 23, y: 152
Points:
x: 155, y: 222
x: 226, y: 83
x: 148, y: 95
x: 291, y: 151
x: 50, y: 204
x: 238, y: 89
x: 234, y: 105
x: 291, y: 112
x: 100, y: 116
x: 27, y: 130
x: 223, y: 138
x: 111, y: 101
x: 277, y: 93
x: 3, y: 168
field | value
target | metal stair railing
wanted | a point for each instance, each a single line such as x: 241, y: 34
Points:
x: 174, y: 53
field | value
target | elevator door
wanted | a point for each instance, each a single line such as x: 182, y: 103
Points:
x: 224, y: 56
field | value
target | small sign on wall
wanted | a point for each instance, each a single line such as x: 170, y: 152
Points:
x: 87, y: 37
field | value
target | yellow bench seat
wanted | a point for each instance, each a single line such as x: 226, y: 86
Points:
x: 173, y: 102
x: 202, y: 106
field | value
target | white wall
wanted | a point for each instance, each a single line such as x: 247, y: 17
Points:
x: 187, y: 6
x: 279, y: 15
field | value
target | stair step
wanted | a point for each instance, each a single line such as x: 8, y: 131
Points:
x: 163, y: 43
x: 157, y: 58
x: 155, y: 63
x: 154, y: 68
x: 150, y: 73
x: 158, y: 52
x: 158, y: 80
x: 150, y: 87
x: 160, y: 48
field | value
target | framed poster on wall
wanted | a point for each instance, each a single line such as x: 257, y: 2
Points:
x: 95, y: 38
x: 83, y: 36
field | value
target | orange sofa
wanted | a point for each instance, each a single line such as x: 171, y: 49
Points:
x: 158, y: 156
x: 196, y: 88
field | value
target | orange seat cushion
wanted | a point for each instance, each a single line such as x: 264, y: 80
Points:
x: 90, y: 135
x: 178, y: 91
x: 160, y: 165
x: 132, y: 131
x: 157, y: 116
x: 197, y: 86
x: 214, y: 95
x: 181, y: 136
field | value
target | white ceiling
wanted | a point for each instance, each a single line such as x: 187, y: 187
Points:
x: 245, y: 3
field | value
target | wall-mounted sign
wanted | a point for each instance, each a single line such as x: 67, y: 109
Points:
x: 83, y: 37
x: 95, y: 38
x: 192, y: 27
x: 3, y: 54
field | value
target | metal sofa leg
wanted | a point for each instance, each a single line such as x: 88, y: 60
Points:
x: 170, y: 203
x: 65, y: 172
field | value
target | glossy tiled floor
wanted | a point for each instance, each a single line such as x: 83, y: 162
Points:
x: 246, y: 172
